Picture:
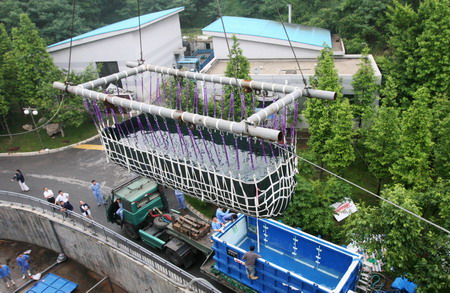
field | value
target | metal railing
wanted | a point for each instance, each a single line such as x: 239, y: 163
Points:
x: 160, y: 266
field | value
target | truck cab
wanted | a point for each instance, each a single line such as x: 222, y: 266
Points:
x: 137, y: 197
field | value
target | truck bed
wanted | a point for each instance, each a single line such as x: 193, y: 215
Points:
x: 203, y: 244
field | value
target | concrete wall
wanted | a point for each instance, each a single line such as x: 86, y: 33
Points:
x: 24, y: 224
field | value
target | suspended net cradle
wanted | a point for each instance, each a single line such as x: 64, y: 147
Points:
x: 247, y: 166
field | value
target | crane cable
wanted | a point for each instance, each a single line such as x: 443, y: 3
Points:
x: 290, y: 45
x: 140, y: 61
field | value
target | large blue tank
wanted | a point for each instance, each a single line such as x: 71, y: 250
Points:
x: 292, y: 261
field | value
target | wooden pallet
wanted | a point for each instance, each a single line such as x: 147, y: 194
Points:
x: 191, y: 227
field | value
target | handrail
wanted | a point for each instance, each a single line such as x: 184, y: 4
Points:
x: 162, y: 267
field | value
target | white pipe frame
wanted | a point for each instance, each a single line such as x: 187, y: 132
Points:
x: 246, y: 127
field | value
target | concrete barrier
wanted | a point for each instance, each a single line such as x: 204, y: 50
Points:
x: 98, y: 253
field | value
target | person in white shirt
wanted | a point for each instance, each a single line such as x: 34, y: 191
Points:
x: 49, y: 196
x: 62, y: 196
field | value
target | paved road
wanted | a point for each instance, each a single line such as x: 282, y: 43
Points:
x: 72, y: 170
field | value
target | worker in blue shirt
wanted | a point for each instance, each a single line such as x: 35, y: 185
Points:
x: 220, y: 215
x: 180, y: 199
x: 5, y: 274
x: 216, y: 226
x: 95, y: 187
x: 22, y: 263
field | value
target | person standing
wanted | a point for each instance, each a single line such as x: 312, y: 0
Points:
x: 49, y: 196
x: 216, y: 226
x: 85, y: 210
x: 250, y: 259
x: 5, y: 274
x: 180, y: 199
x: 62, y: 196
x: 23, y: 263
x: 95, y: 187
x: 19, y: 178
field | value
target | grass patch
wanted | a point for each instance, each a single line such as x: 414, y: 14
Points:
x: 29, y: 142
x: 206, y: 208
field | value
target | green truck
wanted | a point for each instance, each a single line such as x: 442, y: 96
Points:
x: 181, y: 237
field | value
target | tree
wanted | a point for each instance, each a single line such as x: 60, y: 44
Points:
x: 413, y: 167
x: 33, y: 65
x: 329, y: 122
x: 311, y: 208
x: 238, y: 67
x: 5, y: 46
x: 441, y: 137
x: 419, y: 41
x: 407, y: 244
x: 364, y: 88
x: 381, y: 142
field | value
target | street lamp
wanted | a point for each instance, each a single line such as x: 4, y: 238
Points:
x: 33, y: 112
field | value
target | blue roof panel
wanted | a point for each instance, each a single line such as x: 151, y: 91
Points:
x: 271, y: 29
x: 123, y: 25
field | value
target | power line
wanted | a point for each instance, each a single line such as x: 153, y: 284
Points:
x: 376, y: 195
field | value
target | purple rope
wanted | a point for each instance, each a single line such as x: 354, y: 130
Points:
x: 231, y: 108
x: 152, y: 132
x: 196, y: 100
x: 242, y: 106
x: 116, y: 122
x: 225, y: 149
x: 177, y: 97
x: 206, y: 148
x: 188, y: 90
x: 205, y: 102
x: 263, y: 149
x: 88, y: 107
x: 124, y: 122
x: 171, y: 94
x: 215, y: 102
x: 285, y: 122
x: 182, y: 141
x: 294, y: 123
x: 223, y: 104
x: 193, y: 143
x: 168, y: 134
x: 160, y: 133
x: 251, y: 153
x: 237, y: 153
x: 157, y: 91
x: 98, y: 114
x: 214, y: 146
x: 142, y: 87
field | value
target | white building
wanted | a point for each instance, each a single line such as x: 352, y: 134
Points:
x: 266, y: 45
x: 115, y: 44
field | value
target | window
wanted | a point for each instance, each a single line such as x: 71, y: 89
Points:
x: 108, y: 68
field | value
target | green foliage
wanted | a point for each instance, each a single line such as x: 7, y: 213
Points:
x: 310, y: 209
x: 409, y: 245
x: 4, y: 47
x: 419, y: 41
x: 413, y: 167
x: 381, y: 141
x: 238, y: 67
x: 364, y: 88
x: 33, y: 65
x: 441, y: 137
x: 330, y: 123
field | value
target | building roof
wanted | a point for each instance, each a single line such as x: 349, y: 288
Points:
x: 271, y: 29
x: 125, y: 24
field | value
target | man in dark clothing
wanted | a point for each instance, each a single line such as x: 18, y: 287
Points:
x: 250, y: 259
x: 65, y: 206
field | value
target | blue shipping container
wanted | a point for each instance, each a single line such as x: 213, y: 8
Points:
x: 292, y: 261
